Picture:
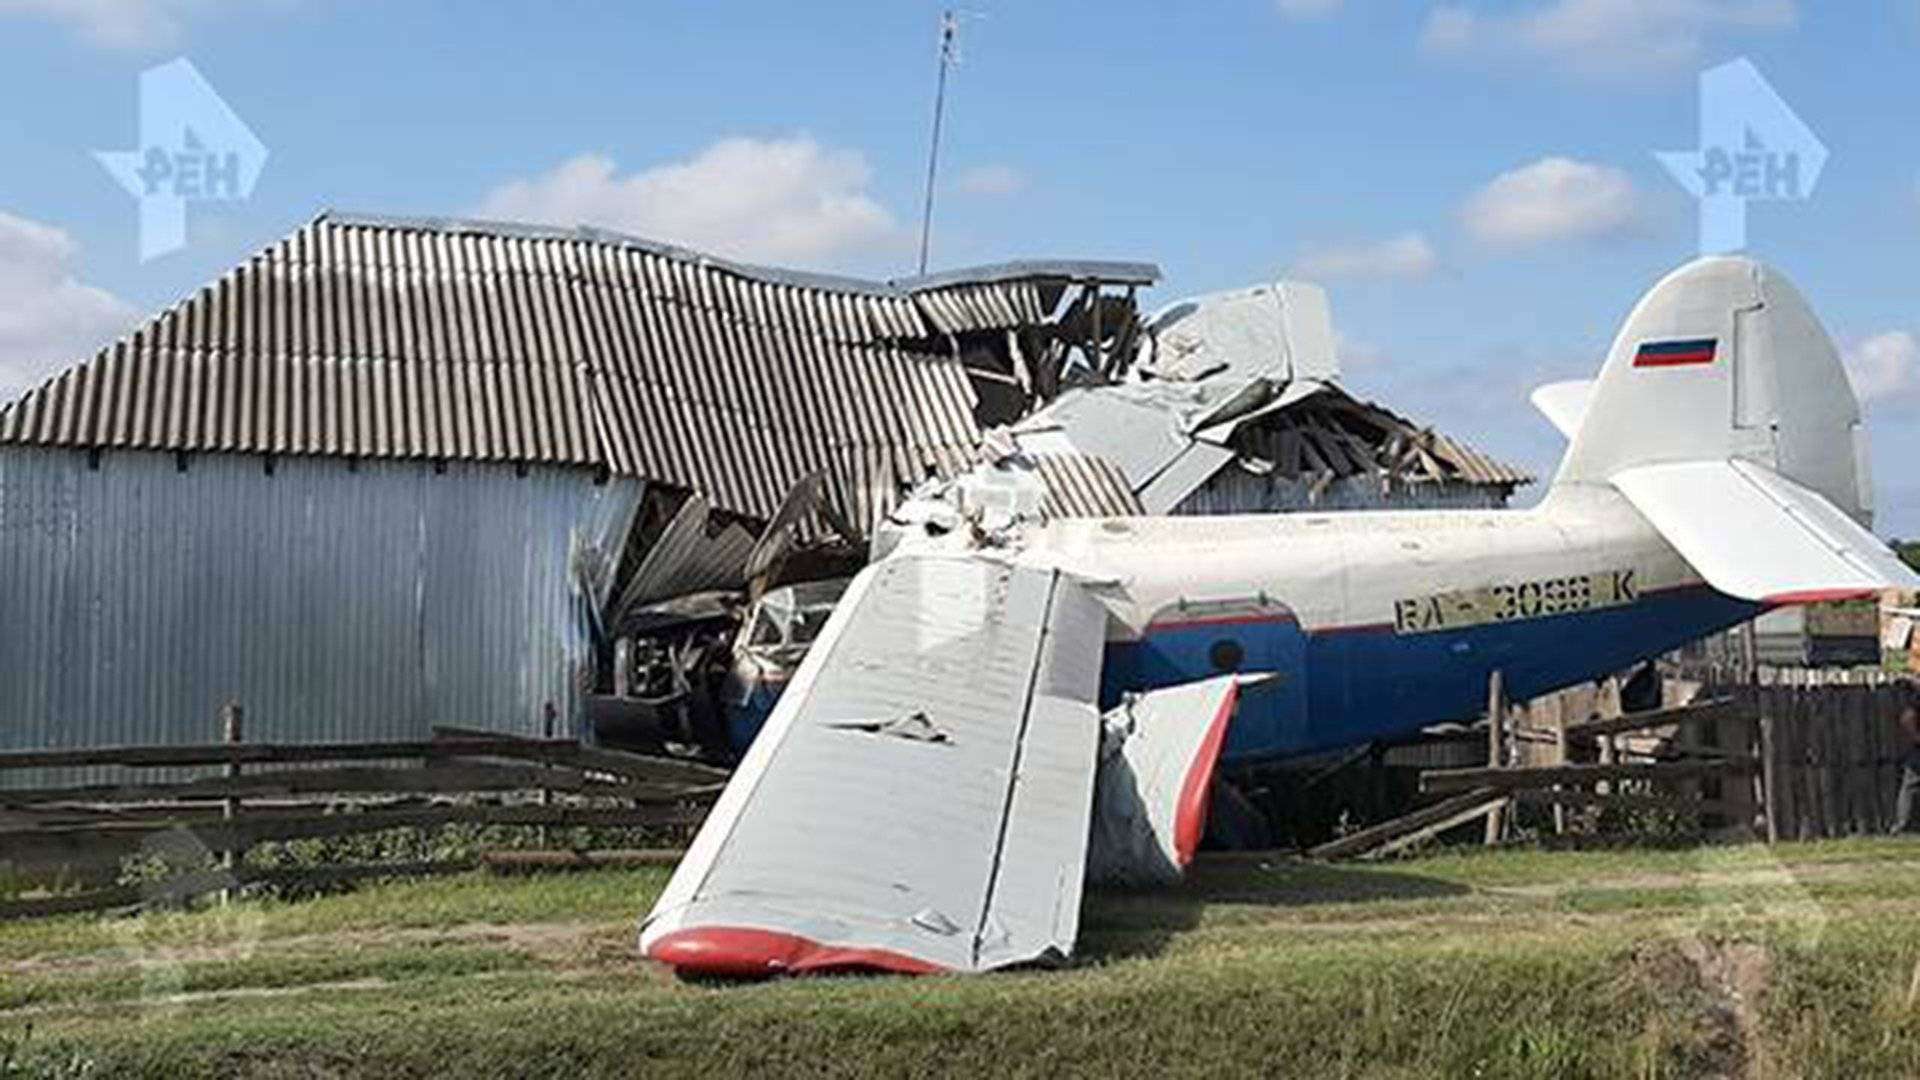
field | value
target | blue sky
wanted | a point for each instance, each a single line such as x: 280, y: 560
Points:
x: 1474, y: 181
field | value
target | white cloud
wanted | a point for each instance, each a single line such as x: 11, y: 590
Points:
x: 1602, y: 37
x: 1308, y: 9
x: 119, y: 24
x: 1552, y: 199
x: 772, y: 200
x: 1405, y: 256
x: 1885, y: 368
x: 992, y: 180
x: 48, y: 318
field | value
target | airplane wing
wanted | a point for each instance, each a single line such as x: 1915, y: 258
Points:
x: 920, y: 798
x: 1156, y: 776
x: 1756, y: 535
x: 1564, y: 403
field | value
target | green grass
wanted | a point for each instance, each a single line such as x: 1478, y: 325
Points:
x: 1525, y: 963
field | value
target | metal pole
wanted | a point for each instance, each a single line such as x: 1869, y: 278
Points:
x: 948, y: 25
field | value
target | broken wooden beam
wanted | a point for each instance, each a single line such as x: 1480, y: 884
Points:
x: 1717, y: 709
x: 1443, y: 780
x: 1376, y: 835
x: 1615, y: 801
x: 1496, y: 805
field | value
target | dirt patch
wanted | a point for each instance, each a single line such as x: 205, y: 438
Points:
x: 1714, y: 991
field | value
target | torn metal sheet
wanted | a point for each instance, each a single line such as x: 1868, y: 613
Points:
x: 1158, y: 755
x: 920, y: 798
x: 686, y: 560
x: 1281, y: 332
x: 778, y: 538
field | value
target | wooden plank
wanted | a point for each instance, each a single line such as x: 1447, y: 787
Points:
x: 1770, y: 779
x: 440, y: 779
x: 1401, y: 843
x: 1379, y: 834
x: 600, y: 759
x: 216, y: 833
x: 1620, y: 801
x: 119, y: 896
x: 1442, y: 780
x: 1698, y: 712
x: 1821, y: 714
x: 525, y: 862
x: 277, y: 753
x: 1496, y: 747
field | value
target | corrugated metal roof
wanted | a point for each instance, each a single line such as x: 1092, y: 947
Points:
x: 394, y: 338
x: 1084, y: 485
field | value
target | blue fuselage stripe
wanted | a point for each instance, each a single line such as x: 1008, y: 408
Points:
x: 1348, y: 685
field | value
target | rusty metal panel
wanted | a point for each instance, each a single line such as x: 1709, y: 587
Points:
x: 336, y: 603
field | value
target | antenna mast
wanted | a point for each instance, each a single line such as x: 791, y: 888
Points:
x: 949, y: 26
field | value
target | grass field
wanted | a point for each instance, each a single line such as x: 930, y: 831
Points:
x: 1795, y: 961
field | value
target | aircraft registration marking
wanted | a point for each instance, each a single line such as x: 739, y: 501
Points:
x: 1514, y: 600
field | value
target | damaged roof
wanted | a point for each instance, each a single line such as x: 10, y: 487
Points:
x: 366, y: 336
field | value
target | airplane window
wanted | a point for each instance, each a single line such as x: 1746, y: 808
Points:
x: 1226, y: 655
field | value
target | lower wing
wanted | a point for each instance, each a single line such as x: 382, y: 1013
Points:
x: 920, y: 798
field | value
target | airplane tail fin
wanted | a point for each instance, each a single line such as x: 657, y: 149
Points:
x: 1724, y: 416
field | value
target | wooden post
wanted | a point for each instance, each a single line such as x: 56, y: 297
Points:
x: 1769, y: 779
x: 1559, y: 757
x: 232, y: 732
x: 547, y: 718
x: 1496, y: 747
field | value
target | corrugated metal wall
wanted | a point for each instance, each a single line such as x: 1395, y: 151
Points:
x: 333, y: 602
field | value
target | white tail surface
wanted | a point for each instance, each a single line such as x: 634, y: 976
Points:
x: 1756, y: 535
x: 1724, y: 415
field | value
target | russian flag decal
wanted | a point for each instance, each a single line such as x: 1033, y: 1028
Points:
x: 1675, y: 353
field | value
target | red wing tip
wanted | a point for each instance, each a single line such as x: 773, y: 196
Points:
x: 1818, y: 596
x: 1190, y: 816
x: 730, y: 952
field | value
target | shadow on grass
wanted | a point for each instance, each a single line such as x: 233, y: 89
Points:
x: 1125, y: 923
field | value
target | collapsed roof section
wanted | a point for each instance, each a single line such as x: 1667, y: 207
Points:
x: 1242, y: 378
x: 445, y: 340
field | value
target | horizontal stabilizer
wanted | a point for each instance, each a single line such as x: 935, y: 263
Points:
x: 1756, y: 535
x: 919, y: 800
x: 1156, y: 777
x: 1564, y: 403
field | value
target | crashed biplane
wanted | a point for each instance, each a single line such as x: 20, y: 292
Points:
x: 1004, y: 706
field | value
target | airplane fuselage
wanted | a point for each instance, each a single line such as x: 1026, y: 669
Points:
x: 1378, y: 624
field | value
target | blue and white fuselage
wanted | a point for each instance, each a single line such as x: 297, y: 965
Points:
x: 1379, y: 624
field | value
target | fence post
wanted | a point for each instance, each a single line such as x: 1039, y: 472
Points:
x: 1496, y: 747
x: 1769, y: 777
x: 232, y: 719
x: 1559, y: 758
x: 548, y: 716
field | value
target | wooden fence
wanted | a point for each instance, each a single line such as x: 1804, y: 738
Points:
x: 1796, y: 758
x: 1830, y: 753
x: 254, y: 793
